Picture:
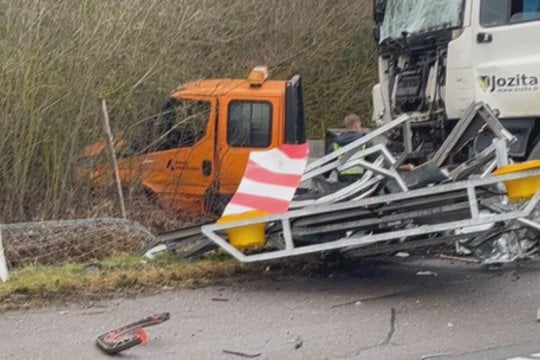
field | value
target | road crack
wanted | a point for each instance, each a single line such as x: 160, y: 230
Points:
x: 386, y: 341
x: 390, y: 334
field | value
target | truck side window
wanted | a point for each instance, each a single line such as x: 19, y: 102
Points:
x: 249, y: 124
x: 525, y: 10
x: 493, y: 12
x: 182, y: 123
x: 504, y: 12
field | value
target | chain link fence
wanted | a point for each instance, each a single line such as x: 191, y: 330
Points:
x: 64, y: 241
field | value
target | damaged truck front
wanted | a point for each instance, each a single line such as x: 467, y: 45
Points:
x: 436, y: 57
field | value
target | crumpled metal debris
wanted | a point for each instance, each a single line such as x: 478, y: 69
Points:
x: 504, y: 249
x: 506, y: 245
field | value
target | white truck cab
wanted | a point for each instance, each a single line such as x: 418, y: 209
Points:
x: 436, y: 57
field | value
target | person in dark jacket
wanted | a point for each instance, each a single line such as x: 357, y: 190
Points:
x: 353, y: 131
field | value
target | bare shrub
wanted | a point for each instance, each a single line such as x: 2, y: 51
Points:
x: 58, y: 57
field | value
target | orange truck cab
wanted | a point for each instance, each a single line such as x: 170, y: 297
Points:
x: 198, y: 148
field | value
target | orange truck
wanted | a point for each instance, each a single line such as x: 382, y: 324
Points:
x: 196, y: 151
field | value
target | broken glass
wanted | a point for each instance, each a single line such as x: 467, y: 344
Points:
x: 417, y: 16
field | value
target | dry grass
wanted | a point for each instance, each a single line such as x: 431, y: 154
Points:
x: 58, y: 57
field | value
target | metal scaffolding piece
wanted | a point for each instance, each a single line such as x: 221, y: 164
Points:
x: 385, y: 210
x: 403, y: 226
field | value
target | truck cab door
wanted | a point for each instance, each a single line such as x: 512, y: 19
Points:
x: 295, y: 126
x: 245, y: 125
x: 180, y: 167
x: 506, y: 56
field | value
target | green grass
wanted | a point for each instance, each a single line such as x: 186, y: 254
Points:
x: 33, y: 286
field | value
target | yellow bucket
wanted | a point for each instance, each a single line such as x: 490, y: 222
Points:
x: 249, y: 236
x: 521, y: 189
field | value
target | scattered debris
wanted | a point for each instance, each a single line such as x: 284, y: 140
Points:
x: 461, y: 249
x: 353, y: 302
x: 402, y: 254
x: 502, y: 248
x: 298, y: 342
x: 220, y: 299
x: 538, y: 315
x: 358, y: 302
x: 450, y: 325
x: 128, y: 336
x: 63, y: 312
x: 433, y: 356
x: 426, y: 273
x: 460, y: 258
x: 93, y: 268
x: 90, y: 313
x: 241, y: 354
x: 150, y: 254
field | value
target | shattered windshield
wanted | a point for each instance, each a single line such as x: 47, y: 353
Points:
x: 416, y: 16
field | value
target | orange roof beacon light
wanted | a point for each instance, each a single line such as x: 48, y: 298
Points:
x: 258, y: 76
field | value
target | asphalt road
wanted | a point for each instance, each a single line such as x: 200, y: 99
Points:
x: 373, y: 311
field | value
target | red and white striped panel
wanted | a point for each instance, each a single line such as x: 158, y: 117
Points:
x: 270, y: 180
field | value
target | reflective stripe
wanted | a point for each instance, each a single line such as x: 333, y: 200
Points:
x: 356, y: 170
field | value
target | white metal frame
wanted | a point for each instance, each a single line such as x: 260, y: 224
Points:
x: 353, y: 155
x: 215, y: 231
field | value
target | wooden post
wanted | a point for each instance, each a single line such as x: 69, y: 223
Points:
x: 112, y: 154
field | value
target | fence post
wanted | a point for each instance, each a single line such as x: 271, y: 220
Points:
x: 4, y: 274
x: 112, y: 154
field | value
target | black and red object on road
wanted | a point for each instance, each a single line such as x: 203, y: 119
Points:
x: 128, y: 336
